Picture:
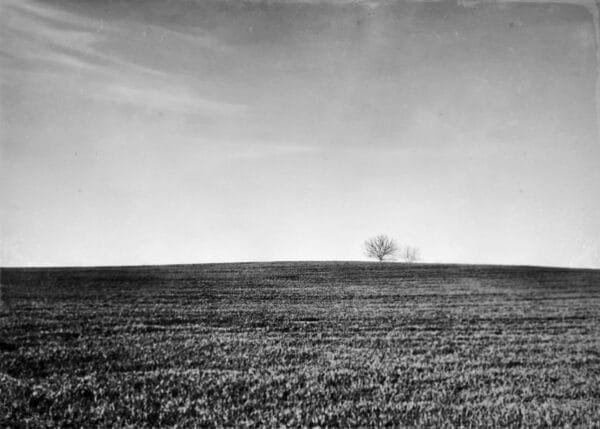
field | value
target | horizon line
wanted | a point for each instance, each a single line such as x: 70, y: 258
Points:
x: 298, y: 261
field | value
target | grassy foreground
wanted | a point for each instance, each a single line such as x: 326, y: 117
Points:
x: 300, y: 344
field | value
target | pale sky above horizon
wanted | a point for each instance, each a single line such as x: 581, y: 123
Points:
x: 211, y: 131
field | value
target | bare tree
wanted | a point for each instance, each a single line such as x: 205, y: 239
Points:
x: 380, y: 247
x: 410, y: 254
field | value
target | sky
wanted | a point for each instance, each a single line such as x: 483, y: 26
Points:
x: 188, y: 131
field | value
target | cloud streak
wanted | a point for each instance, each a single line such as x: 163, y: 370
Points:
x: 43, y: 40
x: 169, y: 98
x: 48, y: 34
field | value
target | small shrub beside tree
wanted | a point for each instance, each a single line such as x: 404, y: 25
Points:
x: 410, y: 254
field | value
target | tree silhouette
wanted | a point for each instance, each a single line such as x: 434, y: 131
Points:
x: 380, y: 247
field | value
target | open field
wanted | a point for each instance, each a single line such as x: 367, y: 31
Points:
x: 300, y: 344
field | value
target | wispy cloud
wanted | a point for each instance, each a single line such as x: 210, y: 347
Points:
x: 169, y: 98
x: 31, y: 31
x: 44, y: 40
x: 47, y: 33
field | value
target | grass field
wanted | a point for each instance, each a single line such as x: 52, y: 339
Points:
x: 329, y: 344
